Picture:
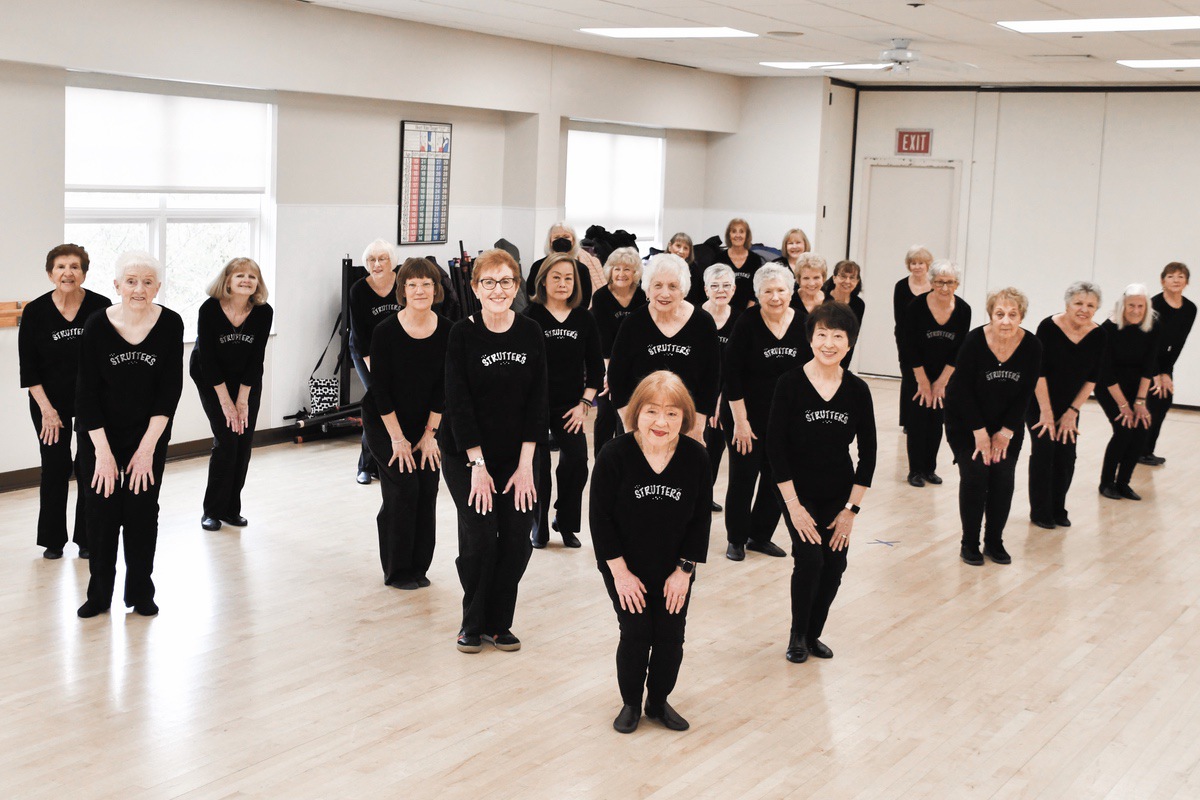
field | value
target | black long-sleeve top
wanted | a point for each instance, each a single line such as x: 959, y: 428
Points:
x: 1176, y: 324
x: 1132, y: 355
x: 581, y: 269
x: 650, y: 519
x: 367, y: 309
x: 902, y: 297
x: 574, y: 359
x: 928, y: 344
x: 694, y: 354
x: 859, y: 308
x: 408, y: 376
x: 48, y: 346
x: 755, y: 360
x: 609, y: 314
x: 808, y: 438
x: 743, y: 277
x: 229, y: 355
x: 986, y: 393
x: 1067, y: 366
x: 122, y: 385
x: 495, y: 390
x: 725, y: 332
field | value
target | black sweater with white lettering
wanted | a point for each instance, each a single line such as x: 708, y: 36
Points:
x: 743, y: 277
x: 122, y: 385
x: 408, y: 376
x: 609, y: 314
x: 1176, y: 324
x: 694, y: 354
x: 574, y: 360
x: 650, y: 519
x: 229, y: 355
x: 808, y: 438
x: 495, y: 391
x: 986, y: 393
x: 367, y: 310
x: 755, y: 360
x: 48, y: 345
x: 928, y: 344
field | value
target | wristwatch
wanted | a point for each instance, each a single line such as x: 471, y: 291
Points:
x: 478, y: 462
x: 687, y: 566
x: 853, y: 509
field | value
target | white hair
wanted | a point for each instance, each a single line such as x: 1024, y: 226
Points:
x: 380, y: 246
x: 773, y: 272
x: 1134, y: 290
x: 944, y: 268
x: 137, y: 258
x: 671, y: 263
x: 562, y: 226
x: 716, y: 270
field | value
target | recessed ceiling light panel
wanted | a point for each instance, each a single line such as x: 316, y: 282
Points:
x: 1109, y: 25
x: 1161, y: 63
x: 669, y: 33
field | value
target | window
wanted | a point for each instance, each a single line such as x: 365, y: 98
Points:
x: 616, y: 180
x: 184, y: 178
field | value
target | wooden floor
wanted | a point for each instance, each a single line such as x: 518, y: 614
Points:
x: 281, y: 667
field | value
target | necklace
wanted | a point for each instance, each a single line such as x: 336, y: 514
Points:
x: 658, y: 462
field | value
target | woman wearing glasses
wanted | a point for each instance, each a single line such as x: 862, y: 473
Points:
x: 718, y: 286
x: 372, y: 300
x: 496, y: 390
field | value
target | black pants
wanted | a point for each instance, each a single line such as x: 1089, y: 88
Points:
x: 1051, y: 469
x: 57, y: 469
x: 123, y: 514
x: 493, y: 548
x: 817, y: 570
x: 1124, y: 448
x: 570, y: 476
x: 714, y: 442
x: 924, y: 436
x: 744, y: 521
x: 984, y: 491
x: 1158, y: 408
x: 230, y: 459
x: 908, y: 387
x: 651, y: 647
x: 365, y: 462
x: 407, y: 519
x: 608, y: 425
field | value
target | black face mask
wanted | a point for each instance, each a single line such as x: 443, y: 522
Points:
x: 561, y: 245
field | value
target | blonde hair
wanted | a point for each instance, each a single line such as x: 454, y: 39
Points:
x: 627, y: 256
x: 812, y: 261
x: 789, y: 234
x: 667, y: 388
x: 918, y: 252
x: 219, y: 288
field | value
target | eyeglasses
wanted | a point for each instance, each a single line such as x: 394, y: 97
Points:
x: 945, y: 284
x: 719, y: 286
x: 492, y: 283
x: 414, y: 285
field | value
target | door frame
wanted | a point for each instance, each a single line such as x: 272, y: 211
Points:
x: 955, y: 200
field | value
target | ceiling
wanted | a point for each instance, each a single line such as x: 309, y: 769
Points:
x: 959, y: 41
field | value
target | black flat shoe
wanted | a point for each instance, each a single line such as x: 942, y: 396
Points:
x: 934, y: 478
x: 1152, y: 460
x: 90, y: 609
x: 735, y: 552
x: 667, y: 717
x: 538, y: 543
x: 1062, y: 520
x: 210, y: 523
x: 422, y: 581
x: 84, y: 553
x: 363, y: 478
x: 407, y: 586
x: 717, y: 507
x: 627, y: 720
x: 1127, y: 493
x: 1109, y: 491
x: 819, y: 649
x: 237, y: 522
x: 766, y: 548
x: 971, y: 555
x: 503, y: 641
x: 571, y: 540
x: 469, y: 642
x: 146, y: 609
x: 997, y: 553
x: 1041, y: 523
x: 797, y: 651
x: 52, y: 553
x: 915, y: 480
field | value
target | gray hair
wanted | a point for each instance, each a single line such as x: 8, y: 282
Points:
x: 380, y: 246
x: 627, y: 256
x: 562, y: 226
x: 671, y: 263
x: 773, y: 272
x: 945, y: 268
x: 716, y: 270
x: 1134, y: 290
x: 812, y: 261
x: 137, y: 258
x: 1082, y: 287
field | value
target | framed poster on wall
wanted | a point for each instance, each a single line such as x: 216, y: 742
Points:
x: 424, y: 182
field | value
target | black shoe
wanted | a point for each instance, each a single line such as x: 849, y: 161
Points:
x: 52, y: 553
x: 84, y: 553
x: 363, y: 477
x: 1109, y: 491
x: 1126, y: 492
x: 819, y: 649
x: 766, y: 548
x: 1041, y: 523
x: 971, y: 555
x: 934, y: 478
x: 469, y: 642
x: 667, y: 717
x: 90, y: 609
x: 538, y: 542
x: 735, y: 552
x: 915, y: 480
x: 797, y: 651
x: 627, y: 721
x: 997, y: 553
x: 210, y: 523
x: 717, y: 507
x: 1062, y: 520
x: 238, y: 522
x: 1152, y: 460
x: 571, y: 540
x: 407, y: 586
x: 504, y: 641
x: 146, y: 608
x: 422, y: 581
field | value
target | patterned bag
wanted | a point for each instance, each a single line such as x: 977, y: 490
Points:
x: 323, y: 393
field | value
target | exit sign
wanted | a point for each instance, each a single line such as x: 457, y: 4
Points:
x: 914, y: 142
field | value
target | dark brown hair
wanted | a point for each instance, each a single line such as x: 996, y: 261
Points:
x: 1174, y: 266
x: 77, y: 250
x: 419, y: 268
x: 539, y: 282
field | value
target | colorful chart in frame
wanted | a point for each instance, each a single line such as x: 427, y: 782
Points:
x: 424, y: 181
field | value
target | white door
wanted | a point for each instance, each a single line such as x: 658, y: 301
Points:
x: 907, y: 202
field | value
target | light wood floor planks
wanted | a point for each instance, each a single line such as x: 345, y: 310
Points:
x: 282, y: 667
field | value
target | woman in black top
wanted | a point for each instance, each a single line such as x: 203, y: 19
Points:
x: 718, y: 287
x: 575, y: 370
x: 769, y: 340
x: 48, y: 345
x: 227, y: 368
x: 846, y: 287
x: 933, y: 330
x: 1175, y: 316
x: 401, y: 416
x: 496, y: 415
x: 1072, y: 355
x: 811, y: 271
x: 669, y: 333
x: 918, y: 260
x: 372, y: 300
x: 795, y: 244
x: 130, y: 380
x: 681, y: 245
x: 1131, y: 366
x: 561, y: 238
x: 611, y: 305
x: 650, y: 518
x: 818, y: 409
x: 744, y: 261
x: 998, y: 367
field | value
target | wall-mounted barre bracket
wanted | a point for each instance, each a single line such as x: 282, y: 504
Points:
x: 10, y: 313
